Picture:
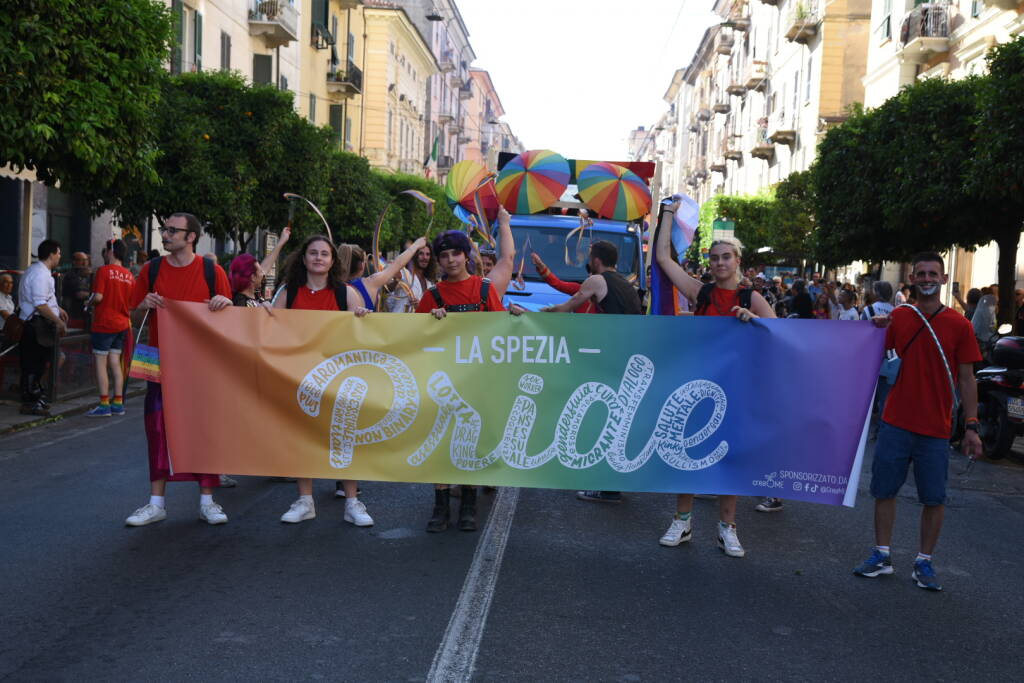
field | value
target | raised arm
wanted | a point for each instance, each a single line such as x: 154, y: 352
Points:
x: 270, y: 259
x: 501, y: 274
x: 594, y: 287
x: 374, y: 282
x: 683, y: 281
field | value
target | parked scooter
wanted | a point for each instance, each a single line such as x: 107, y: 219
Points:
x: 1001, y: 396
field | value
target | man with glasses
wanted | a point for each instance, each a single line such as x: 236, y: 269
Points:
x: 180, y: 276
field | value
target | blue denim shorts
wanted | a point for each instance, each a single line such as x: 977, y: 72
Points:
x: 895, y: 449
x: 107, y: 342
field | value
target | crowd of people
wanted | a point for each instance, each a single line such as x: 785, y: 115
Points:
x: 452, y: 275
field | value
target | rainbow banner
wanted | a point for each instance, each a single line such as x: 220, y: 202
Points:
x: 652, y: 403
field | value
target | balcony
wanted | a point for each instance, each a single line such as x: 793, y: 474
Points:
x: 757, y: 76
x: 1004, y: 4
x: 782, y: 129
x: 276, y: 21
x: 924, y: 33
x: 724, y: 46
x: 738, y: 23
x: 700, y: 168
x: 731, y: 149
x: 718, y: 165
x: 703, y: 114
x: 736, y: 87
x: 466, y: 92
x: 445, y: 116
x: 444, y: 163
x: 345, y: 83
x: 456, y: 127
x: 464, y: 139
x: 773, y: 3
x: 694, y: 125
x: 722, y: 107
x: 692, y: 181
x: 803, y: 22
x: 763, y: 147
x: 447, y: 62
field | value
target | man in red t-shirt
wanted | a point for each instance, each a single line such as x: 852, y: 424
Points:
x: 181, y: 277
x: 111, y: 289
x: 917, y: 418
x: 458, y: 292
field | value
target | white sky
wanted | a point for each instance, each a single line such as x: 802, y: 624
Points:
x: 575, y: 76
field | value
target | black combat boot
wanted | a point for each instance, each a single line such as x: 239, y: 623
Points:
x: 439, y: 521
x: 467, y: 509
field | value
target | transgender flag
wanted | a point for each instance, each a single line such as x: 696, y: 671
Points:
x: 684, y: 227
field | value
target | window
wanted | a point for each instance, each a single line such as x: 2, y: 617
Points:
x: 337, y: 116
x: 807, y: 86
x: 348, y: 134
x: 225, y: 51
x: 262, y: 69
x: 283, y: 84
x: 883, y: 31
x: 389, y: 147
x: 197, y: 38
x: 351, y: 47
x: 312, y: 108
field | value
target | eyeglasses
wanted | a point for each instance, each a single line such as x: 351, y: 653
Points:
x: 173, y: 231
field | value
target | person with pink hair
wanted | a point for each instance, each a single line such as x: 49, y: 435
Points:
x: 246, y: 274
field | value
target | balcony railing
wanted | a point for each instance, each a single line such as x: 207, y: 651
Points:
x: 925, y: 32
x: 703, y: 114
x: 763, y: 148
x: 346, y: 83
x: 781, y: 129
x: 700, y: 168
x: 447, y: 61
x: 275, y: 20
x: 723, y: 106
x: 757, y: 76
x: 736, y: 86
x: 466, y: 92
x: 445, y: 116
x: 725, y: 43
x: 803, y: 22
x: 731, y: 149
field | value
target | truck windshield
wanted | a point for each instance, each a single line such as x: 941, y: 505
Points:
x: 551, y: 245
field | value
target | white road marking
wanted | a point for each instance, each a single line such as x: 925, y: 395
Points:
x: 589, y: 350
x: 433, y: 349
x: 456, y: 656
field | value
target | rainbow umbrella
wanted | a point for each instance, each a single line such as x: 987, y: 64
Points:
x: 615, y: 192
x: 532, y: 181
x: 463, y: 180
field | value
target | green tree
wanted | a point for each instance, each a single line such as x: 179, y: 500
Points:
x: 996, y: 169
x: 895, y: 180
x: 228, y: 152
x: 79, y: 80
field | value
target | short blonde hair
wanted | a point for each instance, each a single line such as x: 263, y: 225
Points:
x: 732, y: 242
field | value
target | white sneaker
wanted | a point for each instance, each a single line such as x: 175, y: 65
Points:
x: 227, y: 482
x: 300, y: 511
x: 729, y: 542
x: 147, y: 514
x: 355, y: 513
x: 678, y: 532
x: 211, y: 513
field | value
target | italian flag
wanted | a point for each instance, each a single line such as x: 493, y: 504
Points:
x: 430, y: 163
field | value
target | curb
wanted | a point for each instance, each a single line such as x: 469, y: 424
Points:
x: 52, y: 419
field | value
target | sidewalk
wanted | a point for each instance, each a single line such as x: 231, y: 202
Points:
x: 11, y: 420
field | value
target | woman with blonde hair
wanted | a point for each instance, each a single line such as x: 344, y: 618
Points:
x: 721, y: 297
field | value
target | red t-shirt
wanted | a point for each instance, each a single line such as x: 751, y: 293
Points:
x: 722, y: 302
x: 181, y: 283
x: 465, y: 292
x: 920, y: 401
x: 321, y: 300
x: 115, y: 283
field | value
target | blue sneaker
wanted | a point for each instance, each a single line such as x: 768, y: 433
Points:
x: 875, y: 565
x: 116, y: 409
x: 924, y: 576
x: 99, y: 411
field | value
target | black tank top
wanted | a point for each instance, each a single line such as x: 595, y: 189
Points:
x: 621, y: 297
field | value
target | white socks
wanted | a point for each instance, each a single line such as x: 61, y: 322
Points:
x: 157, y: 500
x: 205, y: 499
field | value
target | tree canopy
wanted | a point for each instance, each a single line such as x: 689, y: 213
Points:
x: 79, y: 83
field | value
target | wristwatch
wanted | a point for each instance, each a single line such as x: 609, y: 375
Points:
x: 973, y: 426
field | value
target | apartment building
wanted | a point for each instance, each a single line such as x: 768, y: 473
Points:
x: 910, y: 41
x: 762, y: 86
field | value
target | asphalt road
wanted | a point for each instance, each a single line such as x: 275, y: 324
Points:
x: 573, y: 591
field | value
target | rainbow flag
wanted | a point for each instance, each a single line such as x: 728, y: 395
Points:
x: 145, y: 363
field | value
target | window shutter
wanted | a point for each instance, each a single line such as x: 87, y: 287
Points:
x: 199, y: 42
x: 312, y: 108
x: 225, y: 51
x: 262, y: 69
x: 348, y: 134
x: 337, y: 115
x: 320, y: 13
x: 178, y: 18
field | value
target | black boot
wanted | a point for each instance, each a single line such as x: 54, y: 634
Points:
x: 439, y: 521
x: 467, y: 509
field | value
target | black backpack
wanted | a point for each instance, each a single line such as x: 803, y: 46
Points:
x: 485, y: 288
x: 340, y: 296
x: 209, y: 272
x: 704, y: 297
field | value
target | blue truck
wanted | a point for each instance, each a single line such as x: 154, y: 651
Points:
x: 547, y: 235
